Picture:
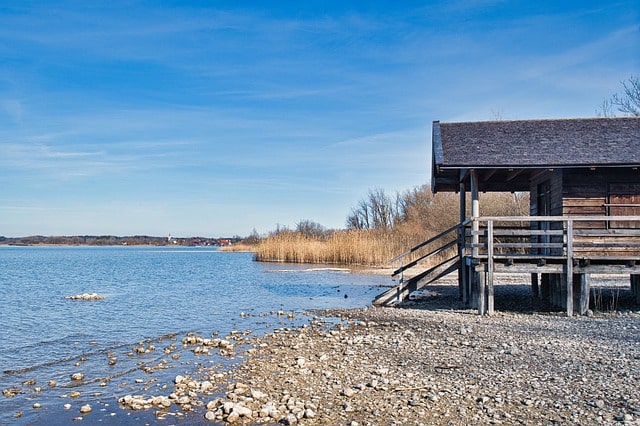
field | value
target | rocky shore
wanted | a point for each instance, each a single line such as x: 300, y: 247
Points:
x: 431, y: 362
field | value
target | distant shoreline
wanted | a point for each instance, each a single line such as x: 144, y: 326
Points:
x: 112, y: 240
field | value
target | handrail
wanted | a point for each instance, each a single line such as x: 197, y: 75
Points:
x: 565, y: 241
x: 424, y: 257
x: 430, y: 240
x: 599, y: 218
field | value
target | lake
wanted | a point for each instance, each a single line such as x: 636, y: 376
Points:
x: 153, y: 295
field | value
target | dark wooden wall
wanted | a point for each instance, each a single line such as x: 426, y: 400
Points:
x: 585, y: 192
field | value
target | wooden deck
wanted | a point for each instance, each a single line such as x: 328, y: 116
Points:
x: 555, y: 250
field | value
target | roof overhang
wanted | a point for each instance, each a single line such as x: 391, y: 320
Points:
x: 505, y: 179
x: 509, y: 175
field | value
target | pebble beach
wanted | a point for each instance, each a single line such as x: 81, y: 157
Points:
x: 428, y: 362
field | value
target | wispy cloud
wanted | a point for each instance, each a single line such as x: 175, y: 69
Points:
x: 260, y: 106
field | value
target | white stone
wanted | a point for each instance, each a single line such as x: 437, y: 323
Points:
x: 206, y: 386
x: 242, y: 410
x: 228, y: 407
x: 258, y: 395
x: 233, y: 417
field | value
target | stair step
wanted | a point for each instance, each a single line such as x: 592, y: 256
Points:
x: 401, y: 292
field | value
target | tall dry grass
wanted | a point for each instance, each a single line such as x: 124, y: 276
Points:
x: 426, y: 216
x: 347, y: 247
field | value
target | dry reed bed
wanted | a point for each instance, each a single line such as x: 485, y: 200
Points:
x: 371, y: 248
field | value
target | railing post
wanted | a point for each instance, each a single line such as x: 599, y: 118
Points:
x: 466, y: 280
x: 569, y: 268
x: 477, y: 283
x: 490, y: 267
x: 400, y: 284
x: 462, y: 279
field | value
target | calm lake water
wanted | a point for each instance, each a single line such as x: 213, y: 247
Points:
x: 151, y: 293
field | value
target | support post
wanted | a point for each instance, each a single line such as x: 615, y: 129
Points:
x: 535, y: 288
x: 482, y: 302
x: 478, y: 281
x: 490, y: 267
x: 635, y: 287
x: 569, y: 268
x: 581, y: 286
x: 462, y: 271
x: 475, y: 212
x: 545, y: 288
x: 472, y: 279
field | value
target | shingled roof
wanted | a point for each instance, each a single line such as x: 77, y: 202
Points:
x: 574, y: 143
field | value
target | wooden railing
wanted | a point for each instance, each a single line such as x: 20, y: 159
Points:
x: 559, y: 245
x: 553, y: 238
x: 435, y: 245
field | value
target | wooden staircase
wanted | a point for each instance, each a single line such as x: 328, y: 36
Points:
x: 444, y: 245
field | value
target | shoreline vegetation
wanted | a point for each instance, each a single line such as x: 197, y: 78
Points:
x: 378, y: 228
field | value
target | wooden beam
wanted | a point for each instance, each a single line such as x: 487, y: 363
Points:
x: 463, y: 174
x: 513, y: 174
x: 536, y: 173
x: 489, y: 174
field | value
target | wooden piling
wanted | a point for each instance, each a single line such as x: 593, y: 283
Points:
x: 535, y: 288
x: 635, y: 287
x: 581, y: 289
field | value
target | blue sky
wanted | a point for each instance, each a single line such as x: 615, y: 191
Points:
x: 214, y: 118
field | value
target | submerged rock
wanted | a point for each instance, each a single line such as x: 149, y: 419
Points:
x: 86, y: 296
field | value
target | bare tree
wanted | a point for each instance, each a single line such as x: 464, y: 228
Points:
x: 376, y: 211
x: 311, y: 229
x: 627, y: 103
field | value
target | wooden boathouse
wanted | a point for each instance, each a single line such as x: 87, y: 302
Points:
x: 583, y: 177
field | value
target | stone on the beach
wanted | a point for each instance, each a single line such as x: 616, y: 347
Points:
x: 289, y: 420
x: 85, y: 409
x: 36, y: 405
x: 258, y: 395
x: 242, y: 410
x: 348, y: 392
x: 206, y: 386
x: 233, y: 417
x: 228, y: 407
x: 77, y: 376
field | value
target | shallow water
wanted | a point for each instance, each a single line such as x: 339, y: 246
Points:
x: 153, y: 295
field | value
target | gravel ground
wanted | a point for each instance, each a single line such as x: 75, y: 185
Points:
x: 430, y: 362
x: 433, y: 362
